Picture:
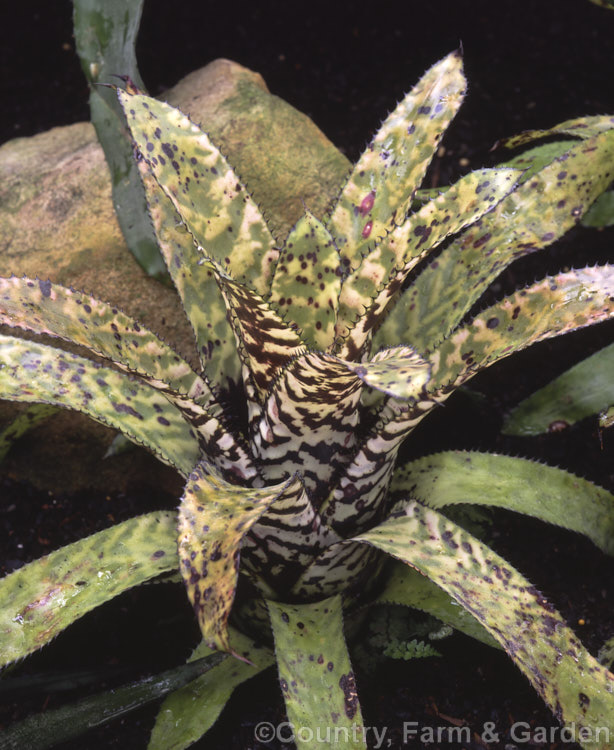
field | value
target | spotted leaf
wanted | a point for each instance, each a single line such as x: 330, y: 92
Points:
x: 535, y: 214
x: 36, y: 373
x: 575, y: 686
x: 200, y: 296
x: 382, y: 184
x: 208, y: 195
x: 582, y: 127
x: 517, y: 484
x: 407, y: 587
x: 43, y: 307
x: 214, y: 518
x: 365, y: 294
x: 551, y: 307
x: 307, y: 282
x: 315, y: 674
x: 22, y: 423
x: 47, y: 595
x: 400, y: 372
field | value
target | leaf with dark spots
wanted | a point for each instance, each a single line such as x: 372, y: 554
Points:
x: 314, y: 667
x: 511, y: 610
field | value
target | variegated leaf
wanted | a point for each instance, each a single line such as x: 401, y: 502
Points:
x: 307, y: 282
x: 343, y: 568
x: 207, y: 194
x: 585, y: 389
x: 407, y: 587
x: 575, y: 686
x: 366, y: 293
x: 517, y: 484
x: 47, y: 595
x: 186, y: 714
x: 400, y: 372
x: 382, y: 184
x: 309, y: 422
x: 43, y: 307
x: 535, y: 214
x: 214, y: 518
x: 582, y: 127
x: 286, y: 539
x: 200, y: 296
x: 36, y: 373
x: 315, y: 673
x: 551, y: 307
x: 265, y: 342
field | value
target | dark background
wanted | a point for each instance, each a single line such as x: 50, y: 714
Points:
x: 530, y: 63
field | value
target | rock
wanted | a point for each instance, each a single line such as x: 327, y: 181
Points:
x: 57, y: 221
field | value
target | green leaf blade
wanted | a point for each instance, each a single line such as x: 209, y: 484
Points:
x: 545, y: 492
x: 315, y: 673
x: 36, y: 373
x: 47, y: 595
x: 381, y: 186
x: 585, y: 389
x: 576, y: 687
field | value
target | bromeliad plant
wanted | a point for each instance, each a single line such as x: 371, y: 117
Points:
x: 296, y: 513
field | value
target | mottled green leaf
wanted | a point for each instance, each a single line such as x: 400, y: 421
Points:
x: 535, y: 214
x: 22, y: 423
x: 365, y: 294
x: 604, y: 3
x: 187, y: 713
x: 585, y: 389
x: 407, y: 587
x: 45, y: 596
x: 208, y: 195
x: 200, y: 296
x: 517, y: 484
x: 582, y: 127
x: 601, y: 213
x: 43, y: 307
x: 382, y: 184
x: 575, y: 686
x: 307, y: 282
x: 315, y: 674
x: 49, y: 728
x: 105, y: 36
x: 400, y: 372
x: 266, y: 342
x: 309, y: 421
x: 33, y: 372
x: 556, y: 305
x: 214, y: 518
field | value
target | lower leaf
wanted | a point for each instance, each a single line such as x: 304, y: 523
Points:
x: 188, y: 713
x: 45, y: 596
x: 47, y: 729
x: 315, y: 674
x: 575, y: 686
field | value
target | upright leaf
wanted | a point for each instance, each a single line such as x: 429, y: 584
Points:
x: 47, y: 595
x: 539, y: 211
x: 207, y: 194
x: 383, y: 182
x: 105, y: 36
x: 307, y: 282
x: 315, y: 674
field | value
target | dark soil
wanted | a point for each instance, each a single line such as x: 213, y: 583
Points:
x: 530, y: 64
